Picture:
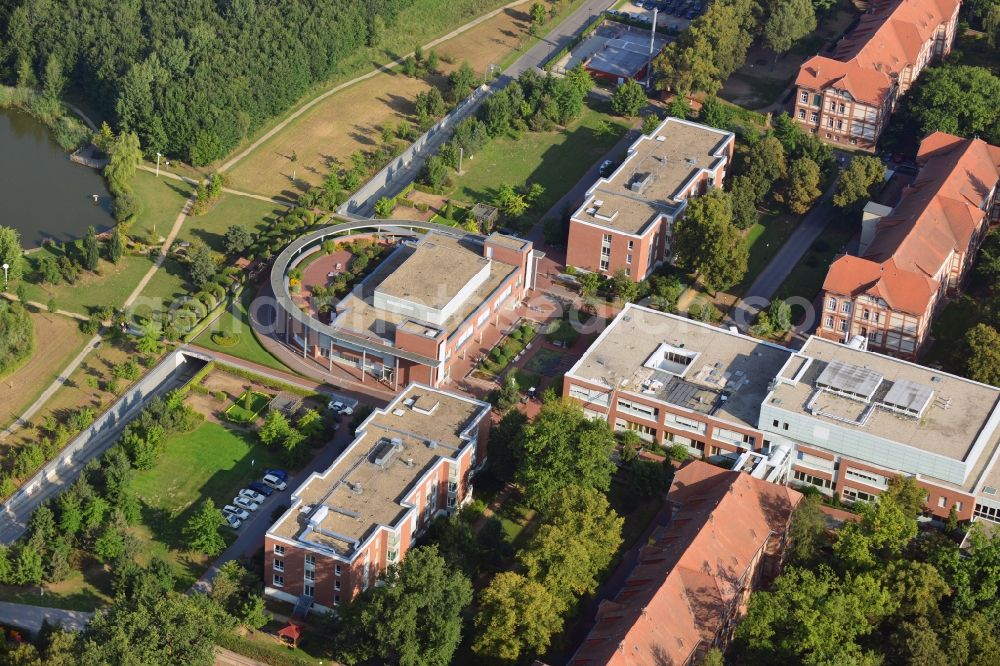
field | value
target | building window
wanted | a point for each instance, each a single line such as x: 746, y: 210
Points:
x: 628, y: 258
x: 942, y: 501
x: 804, y: 98
x: 310, y: 574
x: 818, y: 481
x: 784, y: 426
x: 829, y: 122
x: 628, y: 272
x: 842, y: 109
x: 279, y: 550
x: 631, y: 244
x: 840, y: 125
x: 336, y: 585
x: 605, y: 251
x: 813, y: 117
x: 845, y: 307
x: 852, y: 495
x: 606, y: 239
x: 774, y: 423
x: 336, y: 570
x: 831, y: 304
x: 842, y: 326
x: 310, y: 560
x: 279, y: 581
x: 604, y: 264
x: 817, y: 100
x: 829, y: 322
x: 802, y: 114
x: 279, y: 565
x: 958, y: 506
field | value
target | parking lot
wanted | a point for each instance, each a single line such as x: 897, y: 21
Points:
x: 673, y: 14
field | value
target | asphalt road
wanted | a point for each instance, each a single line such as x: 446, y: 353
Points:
x: 31, y: 618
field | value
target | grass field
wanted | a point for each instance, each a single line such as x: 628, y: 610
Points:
x: 211, y: 462
x: 238, y: 413
x: 57, y: 341
x: 80, y: 591
x: 161, y: 199
x: 110, y: 286
x: 231, y: 210
x: 351, y: 119
x: 169, y: 282
x: 765, y: 239
x: 556, y: 160
x: 248, y: 347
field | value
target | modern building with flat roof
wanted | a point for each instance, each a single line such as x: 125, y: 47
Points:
x: 409, y: 463
x: 674, y: 380
x: 626, y: 219
x: 412, y: 316
x: 858, y: 419
x: 837, y: 417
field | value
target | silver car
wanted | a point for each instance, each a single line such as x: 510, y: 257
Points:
x: 245, y: 503
x: 231, y: 510
x: 233, y: 521
x: 252, y: 496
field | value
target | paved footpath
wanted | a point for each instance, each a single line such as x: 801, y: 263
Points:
x: 31, y: 618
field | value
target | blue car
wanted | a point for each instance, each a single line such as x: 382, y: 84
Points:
x: 280, y: 473
x: 259, y: 487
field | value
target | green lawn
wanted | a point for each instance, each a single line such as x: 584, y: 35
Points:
x: 238, y: 413
x: 556, y: 160
x: 806, y: 279
x: 765, y: 239
x: 248, y: 347
x: 111, y: 286
x: 211, y: 462
x: 169, y: 282
x: 80, y: 592
x: 231, y: 209
x: 161, y: 200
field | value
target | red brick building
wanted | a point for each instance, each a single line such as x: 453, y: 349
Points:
x: 915, y: 256
x: 412, y: 317
x: 727, y: 538
x: 846, y: 98
x: 626, y: 219
x: 408, y: 464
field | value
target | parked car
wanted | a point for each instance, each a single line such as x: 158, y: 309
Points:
x: 607, y: 168
x: 231, y: 510
x: 252, y: 496
x: 245, y: 503
x: 337, y: 407
x: 277, y: 473
x: 274, y: 482
x: 259, y: 487
x: 233, y: 521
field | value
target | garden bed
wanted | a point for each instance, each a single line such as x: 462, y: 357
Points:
x: 506, y: 351
x: 246, y: 408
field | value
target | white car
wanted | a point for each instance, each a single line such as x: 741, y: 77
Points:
x: 233, y: 521
x: 337, y: 407
x: 245, y: 503
x: 274, y: 482
x: 252, y: 496
x: 231, y: 510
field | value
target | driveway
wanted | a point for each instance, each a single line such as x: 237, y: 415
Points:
x: 31, y: 618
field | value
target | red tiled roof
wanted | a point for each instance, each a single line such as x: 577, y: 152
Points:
x: 886, y: 41
x: 864, y: 85
x: 679, y: 593
x: 936, y: 217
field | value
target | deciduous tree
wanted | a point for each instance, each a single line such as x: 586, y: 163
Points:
x: 788, y: 22
x: 516, y: 616
x: 803, y: 185
x: 201, y: 533
x: 858, y: 181
x: 706, y: 242
x: 628, y: 98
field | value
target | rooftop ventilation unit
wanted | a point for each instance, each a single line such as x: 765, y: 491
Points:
x: 432, y: 444
x: 661, y: 138
x: 398, y: 412
x: 640, y: 181
x: 355, y: 487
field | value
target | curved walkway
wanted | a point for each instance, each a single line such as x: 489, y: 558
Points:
x: 381, y: 68
x: 228, y: 190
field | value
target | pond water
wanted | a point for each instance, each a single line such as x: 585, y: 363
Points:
x: 42, y: 193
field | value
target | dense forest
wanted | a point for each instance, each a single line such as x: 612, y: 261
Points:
x: 190, y: 77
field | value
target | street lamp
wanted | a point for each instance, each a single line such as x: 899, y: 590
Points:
x: 6, y: 267
x: 158, y: 156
